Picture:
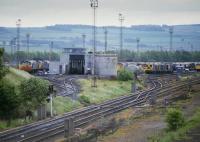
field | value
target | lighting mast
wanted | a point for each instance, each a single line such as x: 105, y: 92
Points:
x: 171, y: 31
x: 106, y: 39
x: 18, y: 24
x: 83, y: 36
x: 121, y: 20
x: 94, y: 5
x: 27, y: 44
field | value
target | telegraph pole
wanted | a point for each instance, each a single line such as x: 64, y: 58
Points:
x: 83, y: 36
x: 18, y: 24
x: 121, y: 20
x: 27, y: 44
x: 106, y: 39
x: 94, y: 5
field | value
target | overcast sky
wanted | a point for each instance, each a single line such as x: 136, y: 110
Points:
x: 50, y: 12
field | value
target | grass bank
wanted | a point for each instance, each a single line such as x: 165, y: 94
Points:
x: 105, y: 90
x: 15, y: 76
x: 63, y: 104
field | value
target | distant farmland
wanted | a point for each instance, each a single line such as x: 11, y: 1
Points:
x: 152, y: 37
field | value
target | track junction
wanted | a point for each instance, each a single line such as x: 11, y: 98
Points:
x: 47, y: 129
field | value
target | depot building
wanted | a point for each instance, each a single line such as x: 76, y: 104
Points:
x: 78, y: 61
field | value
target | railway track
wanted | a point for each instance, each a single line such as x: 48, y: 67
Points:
x: 65, y: 86
x: 45, y: 129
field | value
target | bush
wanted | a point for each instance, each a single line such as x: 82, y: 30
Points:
x: 174, y: 119
x: 124, y: 75
x: 84, y: 100
x: 34, y: 92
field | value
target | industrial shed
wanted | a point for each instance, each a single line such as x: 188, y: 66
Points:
x: 78, y: 61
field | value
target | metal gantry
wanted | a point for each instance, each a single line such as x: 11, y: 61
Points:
x: 121, y: 20
x: 94, y: 5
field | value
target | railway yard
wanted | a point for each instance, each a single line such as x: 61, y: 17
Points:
x: 127, y: 72
x: 159, y: 88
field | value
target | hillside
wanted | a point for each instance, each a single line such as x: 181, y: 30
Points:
x: 15, y: 76
x: 152, y: 37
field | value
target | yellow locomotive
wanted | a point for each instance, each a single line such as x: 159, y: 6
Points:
x: 197, y: 67
x: 158, y: 68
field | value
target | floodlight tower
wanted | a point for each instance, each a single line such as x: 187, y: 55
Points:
x: 138, y: 44
x: 171, y: 31
x: 27, y: 44
x: 94, y: 5
x: 121, y: 20
x: 106, y: 39
x: 192, y: 47
x: 4, y: 44
x: 14, y: 45
x: 83, y: 36
x: 18, y: 24
x: 50, y: 50
x: 11, y: 46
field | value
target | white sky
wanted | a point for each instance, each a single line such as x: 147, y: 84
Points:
x: 50, y: 12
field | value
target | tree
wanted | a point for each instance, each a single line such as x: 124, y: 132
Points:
x: 34, y: 92
x: 2, y: 67
x: 174, y: 119
x: 9, y: 101
x: 124, y: 75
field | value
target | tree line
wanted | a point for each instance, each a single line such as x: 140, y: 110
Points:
x: 22, y: 56
x: 125, y: 55
x: 160, y: 56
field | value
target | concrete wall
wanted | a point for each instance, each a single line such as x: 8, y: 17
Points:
x: 54, y: 67
x: 106, y: 65
x: 64, y: 58
x: 88, y: 63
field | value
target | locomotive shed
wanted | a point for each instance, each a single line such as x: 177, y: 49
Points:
x: 78, y: 61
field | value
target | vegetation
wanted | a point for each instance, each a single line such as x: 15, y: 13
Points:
x: 34, y: 92
x: 21, y: 55
x: 174, y: 119
x: 180, y: 133
x: 9, y: 101
x: 84, y: 100
x: 124, y: 75
x: 19, y: 92
x: 63, y: 104
x: 105, y: 90
x: 2, y: 67
x: 164, y: 56
x: 15, y: 76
